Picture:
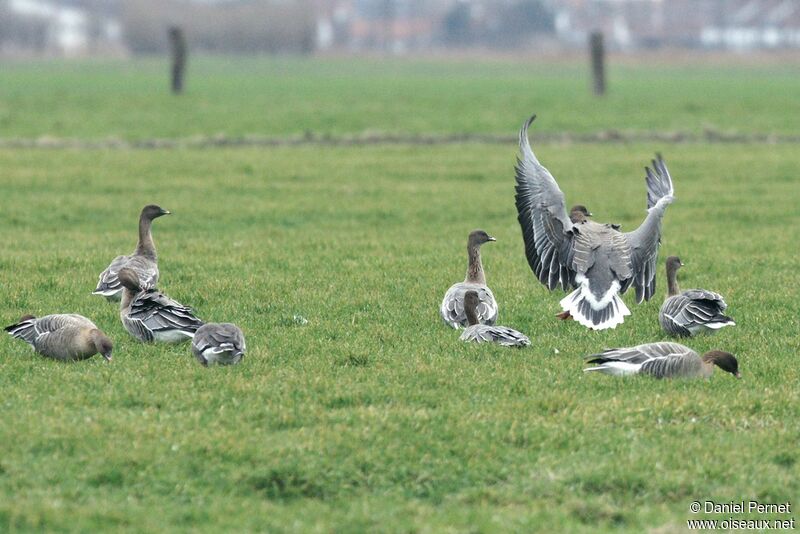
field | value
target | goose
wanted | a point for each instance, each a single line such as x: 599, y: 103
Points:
x: 66, y: 337
x: 143, y: 261
x: 596, y: 260
x: 693, y: 311
x: 452, y: 308
x: 221, y: 343
x: 481, y: 333
x: 662, y: 360
x: 149, y: 315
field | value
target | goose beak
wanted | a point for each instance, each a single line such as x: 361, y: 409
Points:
x: 492, y: 238
x: 107, y: 357
x: 738, y: 375
x: 166, y: 212
x: 590, y: 214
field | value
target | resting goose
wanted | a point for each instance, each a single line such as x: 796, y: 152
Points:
x: 692, y: 311
x: 150, y: 315
x: 143, y: 261
x: 595, y: 260
x: 662, y: 360
x: 452, y: 308
x: 65, y: 337
x: 221, y: 343
x: 481, y: 333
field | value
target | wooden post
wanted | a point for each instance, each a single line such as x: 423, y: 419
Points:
x: 177, y: 45
x: 597, y: 52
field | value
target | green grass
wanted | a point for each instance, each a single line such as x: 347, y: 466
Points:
x: 374, y: 416
x: 279, y: 97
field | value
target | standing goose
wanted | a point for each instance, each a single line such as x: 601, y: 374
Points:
x: 143, y: 261
x: 452, y: 308
x: 64, y: 337
x: 693, y: 311
x: 221, y: 343
x: 481, y: 333
x: 150, y: 315
x: 596, y: 260
x: 662, y: 360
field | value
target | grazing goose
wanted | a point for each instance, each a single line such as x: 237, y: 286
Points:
x: 150, y: 315
x: 221, y: 343
x: 662, y: 360
x: 481, y: 333
x: 66, y: 337
x: 596, y: 260
x: 143, y: 261
x: 452, y: 309
x: 693, y: 311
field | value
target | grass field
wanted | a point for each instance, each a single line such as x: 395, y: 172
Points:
x: 374, y: 416
x: 345, y: 96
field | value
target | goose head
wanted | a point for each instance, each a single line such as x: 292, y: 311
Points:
x: 724, y: 360
x: 674, y: 263
x: 102, y: 343
x: 129, y: 280
x: 579, y: 213
x: 479, y: 237
x: 152, y: 211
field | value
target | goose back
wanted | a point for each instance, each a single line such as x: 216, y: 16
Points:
x: 221, y: 343
x: 452, y: 308
x: 153, y: 316
x: 502, y: 335
x: 692, y: 312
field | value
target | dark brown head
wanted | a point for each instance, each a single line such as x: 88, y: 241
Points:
x: 102, y: 344
x: 579, y: 213
x: 479, y: 237
x: 152, y: 211
x: 471, y: 301
x: 724, y: 360
x: 674, y: 263
x: 129, y: 279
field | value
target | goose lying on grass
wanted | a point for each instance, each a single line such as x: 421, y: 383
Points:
x: 143, y: 261
x: 482, y: 333
x: 221, y: 343
x: 452, y: 308
x: 596, y: 260
x: 692, y: 311
x: 65, y: 337
x: 150, y: 315
x: 662, y: 360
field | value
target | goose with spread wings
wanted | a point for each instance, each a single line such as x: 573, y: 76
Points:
x: 596, y: 260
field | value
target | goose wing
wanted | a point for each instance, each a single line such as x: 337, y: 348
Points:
x: 693, y: 309
x: 452, y: 308
x: 159, y: 313
x: 542, y: 215
x: 145, y: 268
x: 219, y: 337
x: 501, y: 335
x: 660, y: 360
x: 645, y: 240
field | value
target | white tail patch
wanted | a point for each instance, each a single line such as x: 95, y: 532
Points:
x: 616, y: 368
x: 601, y: 314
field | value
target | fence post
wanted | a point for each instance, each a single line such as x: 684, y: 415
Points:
x: 597, y: 52
x: 177, y: 45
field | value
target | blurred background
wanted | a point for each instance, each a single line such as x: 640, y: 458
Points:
x: 83, y: 28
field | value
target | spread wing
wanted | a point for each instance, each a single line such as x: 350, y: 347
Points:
x: 542, y: 215
x: 645, y: 240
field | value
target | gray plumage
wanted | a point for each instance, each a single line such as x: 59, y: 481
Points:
x: 691, y: 312
x: 662, y: 360
x: 221, y: 343
x: 502, y: 335
x: 596, y: 260
x: 143, y: 261
x: 482, y: 333
x: 452, y: 307
x: 150, y: 315
x: 65, y: 337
